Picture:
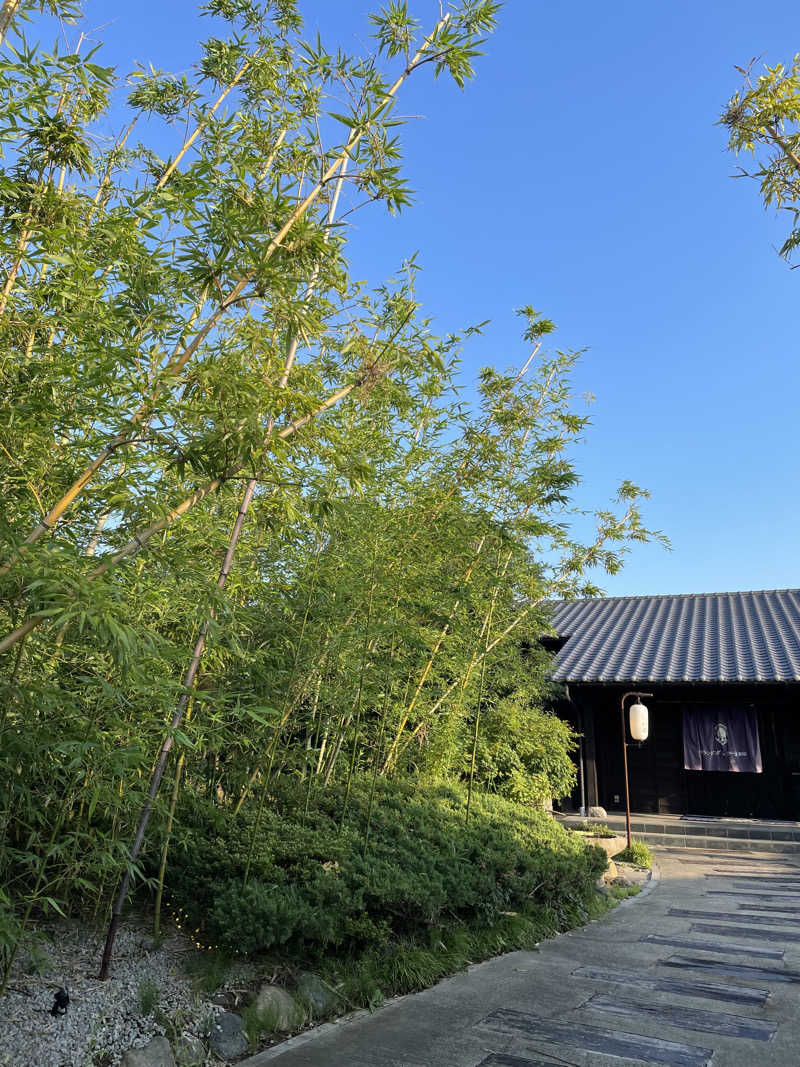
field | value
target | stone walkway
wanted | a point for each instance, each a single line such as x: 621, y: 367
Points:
x: 703, y: 968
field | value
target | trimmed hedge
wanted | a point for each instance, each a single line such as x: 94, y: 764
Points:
x: 315, y: 889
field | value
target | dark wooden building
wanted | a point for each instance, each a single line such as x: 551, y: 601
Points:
x: 734, y: 654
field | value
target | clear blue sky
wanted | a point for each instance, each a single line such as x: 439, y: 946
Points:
x: 582, y: 172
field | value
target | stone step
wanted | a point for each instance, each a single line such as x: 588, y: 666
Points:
x: 715, y: 836
x: 716, y: 844
x: 715, y: 830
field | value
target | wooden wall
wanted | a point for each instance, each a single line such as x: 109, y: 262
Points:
x: 658, y: 782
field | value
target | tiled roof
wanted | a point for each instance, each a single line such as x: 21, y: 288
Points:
x: 701, y: 637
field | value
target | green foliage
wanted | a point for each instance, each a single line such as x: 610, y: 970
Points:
x: 763, y: 120
x: 178, y: 324
x: 639, y: 854
x: 524, y: 751
x: 315, y: 891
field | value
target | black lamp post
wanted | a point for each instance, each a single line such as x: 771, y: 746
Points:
x: 639, y: 730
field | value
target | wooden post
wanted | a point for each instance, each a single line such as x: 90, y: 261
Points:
x: 589, y: 756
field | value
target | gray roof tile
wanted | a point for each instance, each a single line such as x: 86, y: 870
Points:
x: 700, y: 637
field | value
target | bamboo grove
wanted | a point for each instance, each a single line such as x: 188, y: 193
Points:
x: 249, y: 527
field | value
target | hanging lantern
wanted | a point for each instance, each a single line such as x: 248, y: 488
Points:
x: 639, y: 722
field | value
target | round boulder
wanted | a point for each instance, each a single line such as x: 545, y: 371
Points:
x: 227, y: 1037
x: 278, y: 1010
x: 155, y: 1054
x: 189, y: 1051
x: 322, y: 1000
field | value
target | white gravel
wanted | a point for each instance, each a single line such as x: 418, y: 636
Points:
x: 103, y: 1019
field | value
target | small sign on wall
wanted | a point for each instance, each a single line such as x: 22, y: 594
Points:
x: 721, y: 739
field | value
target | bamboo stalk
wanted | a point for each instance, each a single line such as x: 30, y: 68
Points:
x: 173, y: 803
x: 544, y: 391
x: 312, y: 747
x: 360, y: 695
x: 200, y: 645
x: 480, y: 696
x: 187, y: 144
x: 334, y: 753
x: 288, y: 706
x: 381, y: 734
x: 166, y: 745
x: 7, y: 12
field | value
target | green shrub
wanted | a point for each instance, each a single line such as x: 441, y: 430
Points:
x: 315, y: 891
x: 638, y: 854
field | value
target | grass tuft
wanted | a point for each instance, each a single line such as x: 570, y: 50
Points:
x: 209, y: 970
x: 148, y: 995
x: 593, y: 829
x: 638, y: 854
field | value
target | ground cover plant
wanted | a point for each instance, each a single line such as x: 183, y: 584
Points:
x: 425, y: 893
x: 252, y: 540
x: 317, y: 886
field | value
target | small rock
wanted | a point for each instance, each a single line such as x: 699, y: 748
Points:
x: 155, y: 1054
x: 277, y: 1009
x: 596, y: 812
x: 322, y: 1000
x: 610, y: 873
x: 227, y: 1037
x: 190, y: 1051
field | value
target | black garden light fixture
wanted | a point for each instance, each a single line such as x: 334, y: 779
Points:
x: 639, y: 729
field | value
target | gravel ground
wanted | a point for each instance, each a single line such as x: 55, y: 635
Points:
x: 104, y: 1018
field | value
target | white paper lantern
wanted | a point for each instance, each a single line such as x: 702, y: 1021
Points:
x: 639, y: 722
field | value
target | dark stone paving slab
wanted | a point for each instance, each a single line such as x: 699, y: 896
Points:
x: 750, y: 870
x: 746, y: 906
x: 648, y: 980
x: 746, y: 933
x: 750, y: 861
x: 742, y: 872
x: 502, y: 1059
x: 596, y: 1039
x: 767, y: 898
x: 764, y: 879
x: 732, y: 970
x: 645, y: 980
x: 773, y: 887
x: 710, y: 1022
x: 746, y: 920
x: 777, y: 892
x: 716, y: 946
